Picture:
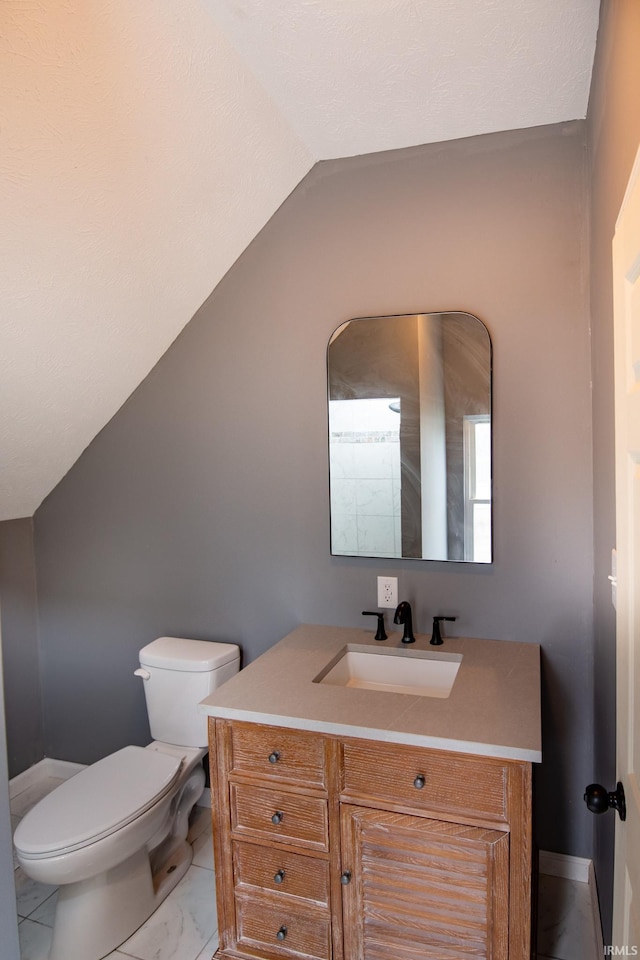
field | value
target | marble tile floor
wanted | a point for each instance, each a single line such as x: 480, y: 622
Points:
x: 566, y: 925
x: 184, y: 927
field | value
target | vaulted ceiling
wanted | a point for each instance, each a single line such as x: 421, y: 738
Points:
x: 145, y: 144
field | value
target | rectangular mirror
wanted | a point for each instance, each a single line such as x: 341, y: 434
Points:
x: 410, y: 437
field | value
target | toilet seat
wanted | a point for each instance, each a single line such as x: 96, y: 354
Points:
x: 96, y: 802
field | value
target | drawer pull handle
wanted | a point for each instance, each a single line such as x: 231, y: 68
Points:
x: 277, y: 817
x: 279, y: 876
x: 274, y: 757
x: 281, y: 934
x: 419, y: 782
x: 345, y: 878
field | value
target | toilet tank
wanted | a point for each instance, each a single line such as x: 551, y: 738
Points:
x: 178, y: 673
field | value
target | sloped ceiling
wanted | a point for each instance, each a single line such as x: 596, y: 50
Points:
x: 358, y: 76
x: 145, y: 144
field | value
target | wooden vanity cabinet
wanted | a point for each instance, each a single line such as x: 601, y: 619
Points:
x: 333, y: 848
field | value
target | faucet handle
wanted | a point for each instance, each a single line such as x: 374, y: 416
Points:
x: 436, y: 637
x: 380, y: 634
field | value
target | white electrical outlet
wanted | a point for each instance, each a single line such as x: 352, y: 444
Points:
x: 387, y: 591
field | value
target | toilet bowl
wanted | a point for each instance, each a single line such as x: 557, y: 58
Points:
x: 114, y: 837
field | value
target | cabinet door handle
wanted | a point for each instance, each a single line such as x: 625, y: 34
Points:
x: 345, y: 878
x: 281, y: 934
x: 419, y: 782
x: 279, y: 876
x: 277, y: 817
x: 274, y: 756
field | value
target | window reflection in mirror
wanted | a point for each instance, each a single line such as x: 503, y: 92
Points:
x: 410, y: 437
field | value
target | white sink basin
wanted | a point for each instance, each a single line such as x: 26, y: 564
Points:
x: 418, y: 672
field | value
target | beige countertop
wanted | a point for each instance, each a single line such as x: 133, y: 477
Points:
x: 493, y: 708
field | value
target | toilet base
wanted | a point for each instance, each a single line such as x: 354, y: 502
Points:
x: 94, y: 917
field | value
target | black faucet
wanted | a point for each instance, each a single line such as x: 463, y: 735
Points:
x: 403, y: 615
x: 436, y: 636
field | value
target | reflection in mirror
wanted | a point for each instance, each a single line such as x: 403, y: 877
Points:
x: 410, y: 437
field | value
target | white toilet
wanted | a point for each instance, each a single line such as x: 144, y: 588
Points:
x: 114, y: 836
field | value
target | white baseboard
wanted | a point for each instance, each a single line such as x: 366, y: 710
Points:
x: 562, y: 865
x: 61, y: 769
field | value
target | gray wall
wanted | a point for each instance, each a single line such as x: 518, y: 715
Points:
x: 614, y: 136
x: 19, y: 622
x: 8, y: 918
x: 202, y: 508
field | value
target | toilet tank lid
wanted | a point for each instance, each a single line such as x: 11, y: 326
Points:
x: 180, y: 653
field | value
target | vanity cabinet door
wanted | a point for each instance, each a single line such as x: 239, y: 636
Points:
x: 423, y: 888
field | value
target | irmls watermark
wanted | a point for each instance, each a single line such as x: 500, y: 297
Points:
x: 626, y: 951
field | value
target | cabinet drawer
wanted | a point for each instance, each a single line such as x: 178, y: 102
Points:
x: 425, y: 780
x: 288, y: 756
x: 287, y: 874
x: 278, y: 815
x: 302, y: 933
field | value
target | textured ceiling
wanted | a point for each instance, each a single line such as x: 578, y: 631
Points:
x: 358, y: 76
x: 145, y: 145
